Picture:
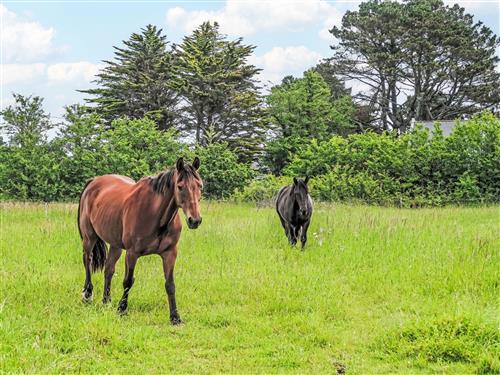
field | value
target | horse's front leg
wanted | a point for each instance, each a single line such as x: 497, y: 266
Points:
x: 128, y: 281
x: 169, y: 258
x: 303, y: 235
x: 293, y: 233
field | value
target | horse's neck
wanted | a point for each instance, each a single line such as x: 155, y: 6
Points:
x: 169, y: 209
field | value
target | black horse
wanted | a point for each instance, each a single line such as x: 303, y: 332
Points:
x: 294, y: 207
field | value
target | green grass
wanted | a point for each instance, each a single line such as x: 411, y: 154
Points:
x: 378, y: 290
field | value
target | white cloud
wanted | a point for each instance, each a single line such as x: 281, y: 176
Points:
x: 243, y: 18
x: 82, y: 71
x: 333, y: 19
x: 282, y: 61
x: 18, y: 73
x: 64, y: 72
x: 23, y: 40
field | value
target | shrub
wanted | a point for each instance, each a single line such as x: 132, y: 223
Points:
x: 136, y: 148
x: 221, y: 172
x: 263, y: 189
x: 415, y: 169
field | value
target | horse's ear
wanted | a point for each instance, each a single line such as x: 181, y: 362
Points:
x: 196, y: 163
x: 180, y: 164
x: 306, y: 180
x: 295, y: 180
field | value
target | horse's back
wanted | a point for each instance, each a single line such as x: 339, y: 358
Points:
x: 114, y: 180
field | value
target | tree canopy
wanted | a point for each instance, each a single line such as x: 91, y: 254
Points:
x: 137, y: 83
x: 419, y: 59
x: 302, y: 109
x: 220, y: 98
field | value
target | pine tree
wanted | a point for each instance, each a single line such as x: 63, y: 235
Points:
x: 136, y: 83
x: 220, y: 98
x: 420, y: 59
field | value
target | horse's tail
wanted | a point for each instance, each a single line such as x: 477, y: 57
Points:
x: 99, y: 250
x: 98, y: 255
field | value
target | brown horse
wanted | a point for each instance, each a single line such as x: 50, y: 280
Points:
x: 141, y: 218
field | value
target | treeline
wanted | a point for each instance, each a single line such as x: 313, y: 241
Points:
x: 156, y: 101
x: 35, y: 168
x: 415, y: 169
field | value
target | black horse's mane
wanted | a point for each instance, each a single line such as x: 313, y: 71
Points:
x: 300, y: 183
x: 163, y: 182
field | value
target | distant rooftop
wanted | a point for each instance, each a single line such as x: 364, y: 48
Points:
x: 446, y: 125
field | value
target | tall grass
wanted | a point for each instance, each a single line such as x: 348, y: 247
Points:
x: 377, y: 290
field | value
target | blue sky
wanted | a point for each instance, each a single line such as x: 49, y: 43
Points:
x: 53, y: 48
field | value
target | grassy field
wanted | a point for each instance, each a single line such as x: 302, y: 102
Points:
x: 378, y: 290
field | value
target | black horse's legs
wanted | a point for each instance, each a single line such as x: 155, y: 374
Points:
x: 128, y: 281
x: 293, y: 234
x: 109, y: 269
x: 87, y: 259
x: 303, y: 235
x: 168, y: 268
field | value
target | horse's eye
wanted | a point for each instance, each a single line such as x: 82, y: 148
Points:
x: 180, y: 188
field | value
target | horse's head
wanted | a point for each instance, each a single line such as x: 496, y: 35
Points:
x: 187, y: 191
x: 301, y: 195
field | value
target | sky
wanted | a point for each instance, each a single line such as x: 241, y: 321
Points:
x: 53, y: 48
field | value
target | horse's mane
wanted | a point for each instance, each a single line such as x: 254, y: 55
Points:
x: 163, y: 182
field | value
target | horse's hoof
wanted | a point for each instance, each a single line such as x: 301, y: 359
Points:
x: 87, y: 296
x: 106, y: 301
x: 176, y: 320
x: 122, y: 308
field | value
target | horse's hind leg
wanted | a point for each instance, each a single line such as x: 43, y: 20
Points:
x: 128, y: 281
x: 88, y: 244
x: 109, y: 269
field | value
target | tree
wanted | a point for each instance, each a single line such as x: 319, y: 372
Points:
x: 420, y: 59
x: 80, y: 141
x: 30, y: 164
x: 26, y: 123
x: 327, y: 71
x: 137, y: 83
x: 300, y: 110
x: 221, y: 102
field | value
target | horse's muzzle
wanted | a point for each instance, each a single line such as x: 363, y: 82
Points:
x: 193, y: 223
